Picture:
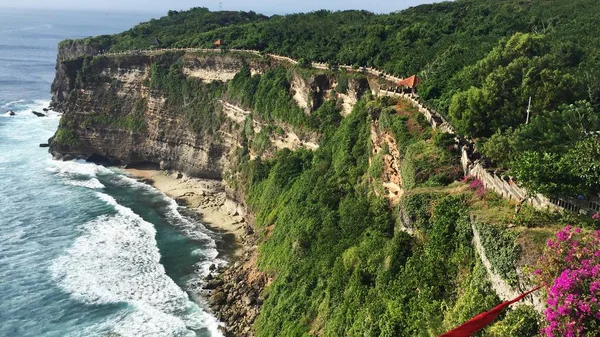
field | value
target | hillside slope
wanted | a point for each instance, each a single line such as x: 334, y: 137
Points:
x: 363, y: 228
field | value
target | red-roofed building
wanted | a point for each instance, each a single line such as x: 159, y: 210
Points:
x: 409, y: 83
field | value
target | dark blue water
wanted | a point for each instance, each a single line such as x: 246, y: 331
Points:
x: 84, y: 250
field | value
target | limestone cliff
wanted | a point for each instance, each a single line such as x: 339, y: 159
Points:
x: 113, y: 113
x: 119, y: 119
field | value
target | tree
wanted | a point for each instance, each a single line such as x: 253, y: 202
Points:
x: 500, y: 148
x: 584, y: 162
x: 545, y: 173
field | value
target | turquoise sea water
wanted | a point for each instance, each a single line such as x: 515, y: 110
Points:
x: 84, y: 250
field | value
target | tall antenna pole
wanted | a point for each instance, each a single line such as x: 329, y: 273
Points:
x: 528, y: 110
x: 220, y: 5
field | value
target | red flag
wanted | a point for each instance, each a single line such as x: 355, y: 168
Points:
x: 482, y: 320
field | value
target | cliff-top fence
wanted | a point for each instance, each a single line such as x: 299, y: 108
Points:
x: 501, y: 184
x: 316, y: 65
x: 471, y: 163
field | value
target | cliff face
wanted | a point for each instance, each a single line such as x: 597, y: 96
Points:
x: 120, y: 120
x: 113, y: 112
x: 65, y: 75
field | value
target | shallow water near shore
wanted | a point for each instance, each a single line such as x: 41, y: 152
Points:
x: 85, y: 250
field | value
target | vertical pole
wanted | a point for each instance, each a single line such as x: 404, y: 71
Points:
x: 528, y: 110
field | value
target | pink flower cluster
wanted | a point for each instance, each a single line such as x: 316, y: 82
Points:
x: 571, y: 265
x: 596, y: 217
x: 475, y: 185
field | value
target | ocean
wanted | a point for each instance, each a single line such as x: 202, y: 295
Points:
x: 84, y: 250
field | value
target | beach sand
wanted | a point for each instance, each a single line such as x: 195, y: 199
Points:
x: 208, y: 201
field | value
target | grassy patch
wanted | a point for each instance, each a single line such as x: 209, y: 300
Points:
x: 66, y: 137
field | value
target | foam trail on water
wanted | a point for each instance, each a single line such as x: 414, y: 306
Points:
x: 24, y: 108
x: 45, y: 26
x: 116, y: 260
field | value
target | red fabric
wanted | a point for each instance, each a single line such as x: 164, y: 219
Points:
x: 482, y: 320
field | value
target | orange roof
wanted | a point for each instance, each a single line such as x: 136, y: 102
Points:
x: 218, y: 42
x: 409, y: 82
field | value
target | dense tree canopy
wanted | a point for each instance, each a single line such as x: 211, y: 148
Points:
x: 480, y: 62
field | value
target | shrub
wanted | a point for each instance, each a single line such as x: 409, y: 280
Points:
x: 501, y: 249
x: 342, y: 86
x: 570, y: 267
x: 520, y: 322
x: 377, y: 166
x: 66, y: 137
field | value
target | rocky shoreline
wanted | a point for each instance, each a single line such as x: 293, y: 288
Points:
x: 236, y: 295
x: 234, y: 292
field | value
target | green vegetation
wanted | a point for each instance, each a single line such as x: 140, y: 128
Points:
x: 124, y: 122
x: 427, y: 165
x: 501, y: 249
x: 479, y: 62
x: 65, y: 137
x: 476, y: 294
x: 189, y: 96
x: 168, y: 30
x: 521, y: 321
x: 493, y: 94
x: 554, y: 154
x: 268, y: 95
x: 340, y: 269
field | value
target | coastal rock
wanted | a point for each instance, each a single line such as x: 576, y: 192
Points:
x: 11, y: 113
x: 218, y: 297
x: 181, y: 201
x: 242, y: 285
x: 39, y: 114
x: 44, y: 145
x: 161, y: 134
x: 45, y: 109
x: 213, y: 284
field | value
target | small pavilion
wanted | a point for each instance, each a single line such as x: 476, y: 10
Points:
x: 409, y: 83
x: 219, y: 43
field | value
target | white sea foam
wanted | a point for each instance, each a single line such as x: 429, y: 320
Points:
x: 91, y: 184
x: 79, y: 168
x: 116, y: 260
x: 13, y: 103
x: 24, y: 108
x: 192, y: 229
x: 122, y: 247
x: 37, y: 105
x: 79, y: 173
